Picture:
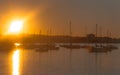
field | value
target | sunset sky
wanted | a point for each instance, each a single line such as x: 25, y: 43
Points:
x: 55, y: 14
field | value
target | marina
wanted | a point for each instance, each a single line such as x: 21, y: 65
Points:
x: 62, y: 61
x: 59, y: 37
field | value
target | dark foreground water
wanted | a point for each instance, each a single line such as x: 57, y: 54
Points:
x: 61, y: 62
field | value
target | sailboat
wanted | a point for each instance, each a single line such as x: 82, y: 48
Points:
x: 98, y: 48
x: 70, y: 45
x: 49, y: 45
x: 108, y: 45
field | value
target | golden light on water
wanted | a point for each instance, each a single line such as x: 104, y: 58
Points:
x: 16, y: 62
x: 16, y: 26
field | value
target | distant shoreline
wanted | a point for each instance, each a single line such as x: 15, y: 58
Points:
x: 62, y: 39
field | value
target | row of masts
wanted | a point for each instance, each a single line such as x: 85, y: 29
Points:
x: 98, y: 47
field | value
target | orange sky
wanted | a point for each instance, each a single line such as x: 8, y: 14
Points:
x: 45, y: 14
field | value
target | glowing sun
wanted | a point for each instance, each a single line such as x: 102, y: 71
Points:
x: 16, y: 26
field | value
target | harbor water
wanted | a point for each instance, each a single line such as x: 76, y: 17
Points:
x: 60, y: 62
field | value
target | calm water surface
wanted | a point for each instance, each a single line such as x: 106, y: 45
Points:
x: 60, y: 62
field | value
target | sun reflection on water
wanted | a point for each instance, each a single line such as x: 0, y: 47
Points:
x: 16, y: 62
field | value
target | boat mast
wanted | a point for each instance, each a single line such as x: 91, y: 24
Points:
x: 70, y: 23
x: 96, y: 33
x: 101, y: 36
x: 96, y: 55
x: 70, y: 54
x: 96, y: 29
x: 70, y: 35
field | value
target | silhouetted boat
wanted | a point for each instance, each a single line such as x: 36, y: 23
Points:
x: 71, y: 46
x: 42, y: 49
x: 111, y: 47
x: 48, y: 47
x: 28, y: 46
x: 98, y: 48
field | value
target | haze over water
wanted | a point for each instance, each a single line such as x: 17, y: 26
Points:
x: 35, y: 27
x: 60, y: 62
